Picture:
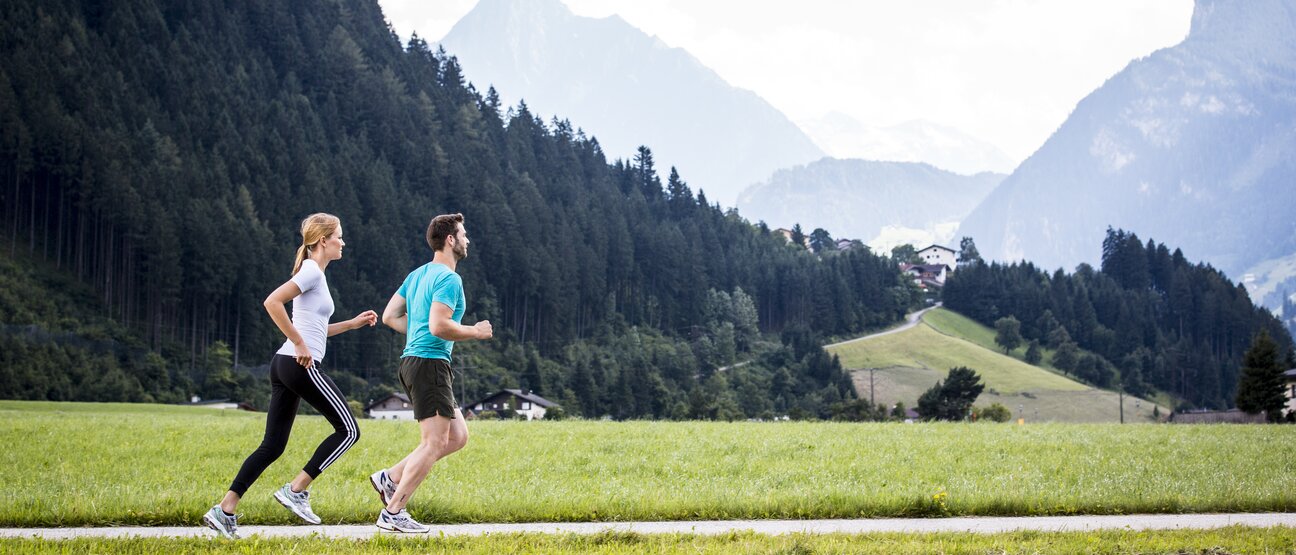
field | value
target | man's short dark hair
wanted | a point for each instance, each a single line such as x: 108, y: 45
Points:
x: 441, y: 227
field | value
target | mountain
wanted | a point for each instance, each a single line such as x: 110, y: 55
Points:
x: 627, y: 89
x: 1194, y: 145
x: 912, y: 141
x: 862, y: 199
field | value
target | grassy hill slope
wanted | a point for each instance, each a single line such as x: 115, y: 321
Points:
x: 910, y: 362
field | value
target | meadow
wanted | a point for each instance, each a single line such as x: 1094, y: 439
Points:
x: 908, y: 363
x: 110, y: 464
x: 1212, y: 542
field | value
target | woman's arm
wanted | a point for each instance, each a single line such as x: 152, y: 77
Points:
x: 274, y: 304
x: 367, y: 317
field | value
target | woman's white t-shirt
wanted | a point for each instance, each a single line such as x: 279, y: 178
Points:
x: 311, y: 310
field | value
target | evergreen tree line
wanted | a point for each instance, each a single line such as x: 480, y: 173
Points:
x: 1151, y: 318
x: 162, y: 155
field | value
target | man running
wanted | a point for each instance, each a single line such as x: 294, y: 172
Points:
x: 427, y: 309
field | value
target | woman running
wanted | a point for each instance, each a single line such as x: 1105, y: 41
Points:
x: 295, y: 375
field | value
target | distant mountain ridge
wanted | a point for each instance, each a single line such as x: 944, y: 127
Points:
x: 860, y: 199
x: 912, y: 141
x: 1194, y: 145
x: 627, y: 89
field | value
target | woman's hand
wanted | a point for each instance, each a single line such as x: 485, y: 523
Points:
x: 366, y: 318
x: 303, y: 355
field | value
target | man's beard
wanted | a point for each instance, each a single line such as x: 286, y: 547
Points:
x: 460, y: 252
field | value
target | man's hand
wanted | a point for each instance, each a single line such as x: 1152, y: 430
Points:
x: 484, y: 329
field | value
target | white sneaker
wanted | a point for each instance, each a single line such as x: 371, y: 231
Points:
x: 383, y: 484
x: 297, y: 502
x: 223, y: 524
x: 400, y: 522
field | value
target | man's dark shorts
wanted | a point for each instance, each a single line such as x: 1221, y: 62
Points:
x: 430, y: 386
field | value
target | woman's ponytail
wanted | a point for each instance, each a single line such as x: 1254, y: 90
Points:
x: 301, y: 255
x: 314, y: 228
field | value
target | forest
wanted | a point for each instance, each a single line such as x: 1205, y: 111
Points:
x: 1151, y: 318
x: 156, y: 159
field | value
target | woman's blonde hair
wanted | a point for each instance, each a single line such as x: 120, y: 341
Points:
x: 315, y: 227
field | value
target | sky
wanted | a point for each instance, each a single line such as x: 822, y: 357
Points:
x: 1007, y: 72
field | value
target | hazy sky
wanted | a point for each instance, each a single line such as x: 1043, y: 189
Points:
x: 1005, y: 71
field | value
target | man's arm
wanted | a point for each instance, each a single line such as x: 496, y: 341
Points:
x: 441, y: 323
x: 395, y: 316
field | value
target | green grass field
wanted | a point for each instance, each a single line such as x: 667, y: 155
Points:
x: 86, y: 464
x: 910, y: 362
x: 1214, y: 542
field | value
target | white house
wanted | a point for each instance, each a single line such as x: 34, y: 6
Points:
x: 1289, y: 379
x: 937, y: 254
x: 525, y: 403
x: 395, y: 406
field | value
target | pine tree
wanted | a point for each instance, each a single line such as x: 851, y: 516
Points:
x: 1033, y: 353
x: 821, y: 241
x: 1260, y: 387
x: 968, y: 253
x: 953, y: 398
x: 798, y: 236
x: 679, y: 195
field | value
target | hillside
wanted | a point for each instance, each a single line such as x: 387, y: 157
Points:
x: 910, y: 362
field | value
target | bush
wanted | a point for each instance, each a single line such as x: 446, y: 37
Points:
x: 857, y: 410
x: 898, y: 411
x: 996, y: 412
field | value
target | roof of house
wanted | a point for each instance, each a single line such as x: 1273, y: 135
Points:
x: 524, y: 395
x: 403, y: 398
x: 1290, y: 374
x: 938, y: 247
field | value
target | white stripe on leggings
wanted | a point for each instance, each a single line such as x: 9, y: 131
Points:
x: 340, y: 406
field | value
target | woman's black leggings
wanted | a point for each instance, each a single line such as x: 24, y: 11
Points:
x: 289, y: 384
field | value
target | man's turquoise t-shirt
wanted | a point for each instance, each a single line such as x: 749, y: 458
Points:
x: 429, y: 283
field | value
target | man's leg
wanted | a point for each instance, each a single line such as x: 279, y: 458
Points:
x: 457, y: 439
x: 458, y: 435
x: 435, y: 436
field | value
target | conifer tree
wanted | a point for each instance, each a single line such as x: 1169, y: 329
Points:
x: 1260, y: 387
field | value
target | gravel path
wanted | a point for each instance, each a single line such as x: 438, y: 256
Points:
x: 983, y: 525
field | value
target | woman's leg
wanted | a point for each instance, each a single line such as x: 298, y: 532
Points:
x: 319, y: 390
x: 279, y: 421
